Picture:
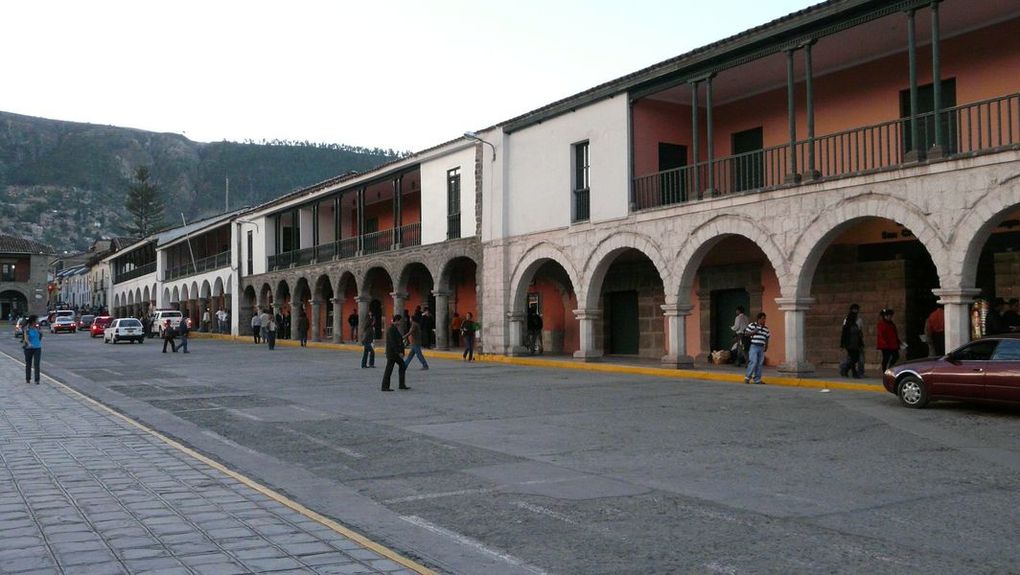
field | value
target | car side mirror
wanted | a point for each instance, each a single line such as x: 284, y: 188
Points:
x: 953, y: 359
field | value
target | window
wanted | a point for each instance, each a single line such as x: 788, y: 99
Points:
x: 7, y: 273
x: 977, y: 351
x: 251, y: 257
x: 1008, y: 350
x: 926, y: 117
x: 453, y: 204
x: 582, y: 200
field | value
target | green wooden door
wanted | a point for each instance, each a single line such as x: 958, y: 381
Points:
x: 624, y: 329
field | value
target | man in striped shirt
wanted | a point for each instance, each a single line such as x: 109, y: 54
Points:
x: 759, y: 345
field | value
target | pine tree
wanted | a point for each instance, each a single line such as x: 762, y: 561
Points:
x: 145, y: 205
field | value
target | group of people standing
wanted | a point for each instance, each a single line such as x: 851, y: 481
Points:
x: 887, y: 342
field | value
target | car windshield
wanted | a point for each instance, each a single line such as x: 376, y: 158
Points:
x: 130, y: 323
x: 65, y: 319
x: 87, y: 317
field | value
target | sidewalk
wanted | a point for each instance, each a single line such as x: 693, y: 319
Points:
x: 84, y: 490
x: 824, y: 378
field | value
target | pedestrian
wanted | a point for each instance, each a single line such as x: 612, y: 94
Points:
x: 455, y: 324
x: 740, y: 323
x: 394, y: 355
x: 271, y: 329
x: 414, y: 339
x: 264, y: 318
x: 31, y: 342
x: 352, y: 320
x: 285, y: 326
x: 851, y: 339
x: 994, y: 322
x: 534, y: 323
x: 1012, y: 316
x: 256, y: 326
x: 405, y: 323
x: 206, y: 318
x: 888, y: 339
x: 302, y: 329
x: 468, y: 327
x: 427, y: 328
x: 759, y: 334
x: 367, y: 339
x: 184, y: 329
x: 146, y: 326
x: 220, y: 320
x: 168, y: 336
x: 935, y: 332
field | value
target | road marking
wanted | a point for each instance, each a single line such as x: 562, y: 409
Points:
x: 425, y: 496
x: 245, y: 480
x: 241, y: 413
x: 477, y: 545
x: 229, y: 442
x: 324, y: 443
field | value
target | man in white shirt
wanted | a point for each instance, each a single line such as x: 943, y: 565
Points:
x: 741, y: 342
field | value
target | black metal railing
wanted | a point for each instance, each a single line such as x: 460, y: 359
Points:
x: 325, y: 251
x: 582, y: 205
x: 376, y: 242
x: 135, y: 273
x: 304, y: 256
x: 410, y: 235
x: 979, y: 127
x: 347, y: 248
x: 453, y: 227
x: 213, y: 262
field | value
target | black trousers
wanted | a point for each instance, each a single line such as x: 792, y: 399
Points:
x: 173, y: 346
x: 390, y: 362
x: 33, y: 356
x: 255, y: 331
x: 889, y: 358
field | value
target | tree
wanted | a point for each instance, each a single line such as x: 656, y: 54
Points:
x: 145, y: 205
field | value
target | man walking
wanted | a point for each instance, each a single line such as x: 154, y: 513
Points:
x: 256, y: 326
x: 168, y: 335
x: 414, y: 338
x: 206, y: 318
x: 742, y: 342
x: 31, y: 341
x: 394, y: 355
x: 184, y: 328
x: 302, y: 329
x: 367, y: 338
x: 759, y: 334
x: 468, y: 328
x: 352, y: 320
x: 848, y: 365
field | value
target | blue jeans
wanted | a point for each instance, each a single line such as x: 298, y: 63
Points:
x: 755, y: 359
x: 184, y: 343
x: 368, y: 355
x: 416, y: 351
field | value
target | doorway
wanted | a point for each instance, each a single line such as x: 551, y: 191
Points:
x: 724, y: 310
x: 748, y: 169
x: 624, y: 328
x: 672, y: 185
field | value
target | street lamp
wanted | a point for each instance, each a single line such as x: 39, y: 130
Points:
x: 474, y: 136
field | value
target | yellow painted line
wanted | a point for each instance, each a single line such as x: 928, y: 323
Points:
x: 281, y: 499
x: 595, y: 366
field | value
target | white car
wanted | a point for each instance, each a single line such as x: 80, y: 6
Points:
x: 159, y: 318
x: 127, y: 328
x: 63, y: 323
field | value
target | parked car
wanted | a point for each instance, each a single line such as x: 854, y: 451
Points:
x: 126, y: 328
x: 99, y: 325
x: 63, y: 323
x: 85, y: 321
x: 987, y: 369
x: 160, y: 317
x: 19, y: 326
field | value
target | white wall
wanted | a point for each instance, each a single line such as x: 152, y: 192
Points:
x: 326, y: 223
x: 540, y: 167
x: 305, y: 223
x: 433, y: 195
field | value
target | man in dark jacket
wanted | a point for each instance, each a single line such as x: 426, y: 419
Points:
x: 394, y: 355
x: 183, y: 329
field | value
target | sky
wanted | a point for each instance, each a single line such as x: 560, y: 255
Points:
x: 396, y: 74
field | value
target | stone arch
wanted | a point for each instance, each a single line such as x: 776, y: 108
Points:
x: 406, y: 269
x: 146, y: 296
x: 973, y: 231
x: 372, y: 275
x: 194, y: 290
x: 185, y: 295
x: 217, y: 289
x: 528, y: 264
x: 445, y: 271
x: 812, y: 243
x: 131, y: 298
x: 265, y: 295
x: 323, y: 286
x: 166, y: 296
x: 206, y: 290
x: 176, y: 296
x: 704, y: 237
x: 301, y: 289
x: 345, y: 279
x: 602, y: 257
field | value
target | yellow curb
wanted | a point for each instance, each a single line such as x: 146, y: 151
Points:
x: 281, y: 499
x: 591, y: 366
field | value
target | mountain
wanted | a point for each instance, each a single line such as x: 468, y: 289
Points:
x: 64, y: 183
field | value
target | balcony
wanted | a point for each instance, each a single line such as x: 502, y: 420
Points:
x: 213, y: 262
x: 987, y: 126
x: 135, y: 273
x: 375, y: 242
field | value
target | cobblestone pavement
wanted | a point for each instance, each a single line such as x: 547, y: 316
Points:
x: 83, y: 492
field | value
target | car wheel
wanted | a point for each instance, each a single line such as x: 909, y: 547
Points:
x: 141, y: 340
x: 912, y: 392
x: 115, y: 339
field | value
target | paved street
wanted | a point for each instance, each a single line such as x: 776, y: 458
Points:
x: 491, y: 468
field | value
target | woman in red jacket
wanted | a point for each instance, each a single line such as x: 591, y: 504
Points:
x: 888, y: 339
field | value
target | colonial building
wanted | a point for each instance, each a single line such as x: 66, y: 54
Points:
x: 23, y: 276
x: 400, y: 236
x: 857, y: 151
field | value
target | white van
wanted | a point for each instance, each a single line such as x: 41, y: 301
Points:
x: 160, y: 317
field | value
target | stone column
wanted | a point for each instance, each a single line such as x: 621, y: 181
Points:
x: 515, y: 345
x: 956, y: 303
x: 442, y: 319
x: 316, y: 308
x: 399, y: 301
x: 295, y: 313
x: 338, y: 320
x: 794, y: 310
x: 587, y: 319
x: 676, y: 335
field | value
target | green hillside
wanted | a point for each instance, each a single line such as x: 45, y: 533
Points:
x: 64, y: 183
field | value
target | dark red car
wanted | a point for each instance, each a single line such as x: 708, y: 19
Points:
x: 99, y: 324
x: 986, y: 370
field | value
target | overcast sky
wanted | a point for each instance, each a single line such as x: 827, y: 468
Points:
x: 392, y: 74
